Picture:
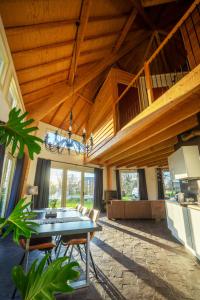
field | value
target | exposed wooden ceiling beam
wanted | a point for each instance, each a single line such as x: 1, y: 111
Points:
x: 160, y: 164
x: 154, y: 156
x: 81, y: 29
x: 162, y: 136
x: 55, y: 113
x: 140, y: 9
x: 13, y: 29
x: 154, y: 161
x: 125, y: 30
x: 90, y: 102
x: 147, y: 3
x: 64, y: 91
x: 160, y: 146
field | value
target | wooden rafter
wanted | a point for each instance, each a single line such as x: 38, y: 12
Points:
x: 85, y: 9
x: 125, y: 30
x: 153, y: 156
x: 85, y: 99
x: 64, y: 91
x: 160, y: 146
x: 140, y: 9
x: 147, y: 3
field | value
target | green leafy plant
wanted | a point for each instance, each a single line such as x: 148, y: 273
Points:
x: 19, y: 222
x: 17, y: 132
x: 40, y: 283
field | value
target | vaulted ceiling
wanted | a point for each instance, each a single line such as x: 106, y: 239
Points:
x: 63, y: 49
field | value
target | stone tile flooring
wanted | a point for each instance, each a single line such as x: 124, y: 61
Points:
x: 135, y: 260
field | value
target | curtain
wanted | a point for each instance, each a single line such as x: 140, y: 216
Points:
x: 119, y: 195
x: 2, y: 154
x: 142, y: 185
x: 98, y: 188
x: 161, y: 194
x: 15, y: 189
x: 42, y: 177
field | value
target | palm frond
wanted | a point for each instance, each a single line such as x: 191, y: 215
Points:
x: 40, y: 283
x: 17, y: 133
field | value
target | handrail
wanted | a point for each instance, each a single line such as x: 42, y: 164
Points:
x: 175, y: 28
x: 164, y: 42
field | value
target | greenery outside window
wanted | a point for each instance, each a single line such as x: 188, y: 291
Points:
x: 129, y: 185
x: 69, y: 187
x: 6, y: 182
x: 171, y: 188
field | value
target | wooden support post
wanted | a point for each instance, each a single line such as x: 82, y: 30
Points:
x: 148, y: 83
x: 109, y: 177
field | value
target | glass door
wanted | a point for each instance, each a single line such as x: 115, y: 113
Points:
x: 88, y: 189
x: 56, y: 188
x: 6, y: 183
x: 74, y: 188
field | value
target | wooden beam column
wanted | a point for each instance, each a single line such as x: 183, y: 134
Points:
x: 148, y: 83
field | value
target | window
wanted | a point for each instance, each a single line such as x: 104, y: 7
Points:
x: 55, y: 187
x: 170, y: 187
x: 3, y: 61
x: 71, y: 187
x: 88, y: 189
x: 129, y: 185
x: 6, y: 182
x: 13, y: 98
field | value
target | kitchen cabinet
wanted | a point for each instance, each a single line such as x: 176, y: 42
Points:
x: 185, y: 163
x: 184, y: 224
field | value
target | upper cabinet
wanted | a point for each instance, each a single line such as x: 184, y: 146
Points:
x: 185, y: 163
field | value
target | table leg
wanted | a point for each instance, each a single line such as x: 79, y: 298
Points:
x: 27, y: 254
x: 88, y: 259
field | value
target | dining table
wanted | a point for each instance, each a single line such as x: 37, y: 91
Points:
x: 66, y: 221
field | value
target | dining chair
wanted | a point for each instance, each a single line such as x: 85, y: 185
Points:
x: 78, y: 240
x: 85, y: 211
x: 44, y: 244
x: 79, y: 207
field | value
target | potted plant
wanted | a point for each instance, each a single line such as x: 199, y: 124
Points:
x: 40, y: 282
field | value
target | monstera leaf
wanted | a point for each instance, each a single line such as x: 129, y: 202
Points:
x: 17, y: 132
x: 19, y: 222
x: 40, y: 283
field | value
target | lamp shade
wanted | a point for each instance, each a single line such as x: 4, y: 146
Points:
x: 33, y: 190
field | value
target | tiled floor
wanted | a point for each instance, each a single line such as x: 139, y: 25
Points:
x: 135, y: 260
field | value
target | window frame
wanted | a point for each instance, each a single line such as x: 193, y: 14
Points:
x: 7, y: 157
x: 129, y: 171
x: 67, y: 167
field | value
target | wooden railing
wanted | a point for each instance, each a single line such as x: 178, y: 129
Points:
x: 177, y: 55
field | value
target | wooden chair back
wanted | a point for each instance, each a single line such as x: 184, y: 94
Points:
x: 94, y: 215
x: 84, y: 211
x: 79, y: 207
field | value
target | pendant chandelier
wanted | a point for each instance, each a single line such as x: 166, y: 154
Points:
x: 61, y: 140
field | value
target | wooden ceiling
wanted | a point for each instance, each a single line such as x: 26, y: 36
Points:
x: 64, y: 49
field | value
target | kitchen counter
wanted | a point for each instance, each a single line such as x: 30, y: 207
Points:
x: 184, y: 224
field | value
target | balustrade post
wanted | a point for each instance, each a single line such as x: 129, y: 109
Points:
x: 148, y: 83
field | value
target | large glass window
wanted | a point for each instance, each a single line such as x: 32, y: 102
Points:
x: 55, y: 187
x: 7, y: 176
x: 88, y: 189
x: 171, y: 188
x: 129, y: 185
x: 71, y: 187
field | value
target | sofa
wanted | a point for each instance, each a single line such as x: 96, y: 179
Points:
x: 143, y: 209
